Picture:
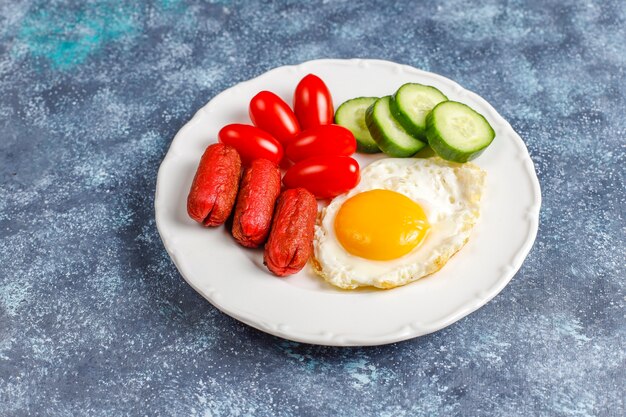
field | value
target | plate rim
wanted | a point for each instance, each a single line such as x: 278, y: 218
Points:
x: 404, y: 332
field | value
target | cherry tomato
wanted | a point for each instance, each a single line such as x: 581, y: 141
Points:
x: 312, y: 103
x: 321, y: 140
x: 324, y: 176
x: 270, y: 113
x: 251, y: 143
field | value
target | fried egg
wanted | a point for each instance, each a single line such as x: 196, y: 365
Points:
x: 404, y: 220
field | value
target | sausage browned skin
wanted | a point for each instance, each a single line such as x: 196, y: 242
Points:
x: 291, y: 237
x: 258, y: 191
x: 214, y: 188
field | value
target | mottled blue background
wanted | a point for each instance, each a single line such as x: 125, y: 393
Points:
x: 94, y: 317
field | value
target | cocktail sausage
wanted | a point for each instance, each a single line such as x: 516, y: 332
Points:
x: 214, y: 188
x: 259, y: 188
x: 291, y: 237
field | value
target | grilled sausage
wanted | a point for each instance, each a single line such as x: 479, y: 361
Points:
x: 291, y: 237
x: 214, y: 188
x: 258, y: 191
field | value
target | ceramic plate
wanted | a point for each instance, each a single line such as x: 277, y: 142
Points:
x: 303, y: 307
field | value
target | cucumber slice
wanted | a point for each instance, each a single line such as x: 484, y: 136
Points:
x: 351, y: 115
x: 388, y: 133
x: 410, y: 105
x: 456, y: 132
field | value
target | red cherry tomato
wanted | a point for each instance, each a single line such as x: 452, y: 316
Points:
x: 251, y: 143
x: 321, y: 140
x: 312, y: 103
x: 270, y: 113
x: 324, y: 176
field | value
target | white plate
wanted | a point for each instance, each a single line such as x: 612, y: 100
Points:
x: 303, y: 307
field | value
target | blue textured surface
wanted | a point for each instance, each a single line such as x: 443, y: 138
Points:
x: 94, y: 317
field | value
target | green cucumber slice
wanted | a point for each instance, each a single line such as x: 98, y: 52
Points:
x: 411, y: 104
x: 456, y: 132
x: 351, y: 115
x: 389, y: 135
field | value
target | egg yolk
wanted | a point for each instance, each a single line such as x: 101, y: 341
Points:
x: 380, y: 225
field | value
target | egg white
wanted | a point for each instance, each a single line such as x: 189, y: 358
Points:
x: 450, y: 195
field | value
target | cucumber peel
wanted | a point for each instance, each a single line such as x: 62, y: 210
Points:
x: 456, y: 132
x: 388, y: 133
x: 351, y: 115
x: 410, y: 105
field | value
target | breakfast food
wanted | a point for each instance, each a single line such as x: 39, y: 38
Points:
x: 403, y: 221
x: 312, y: 103
x: 320, y: 141
x: 214, y: 187
x: 324, y: 176
x: 397, y: 221
x: 288, y: 247
x: 270, y: 113
x: 251, y: 143
x: 351, y: 115
x: 259, y: 188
